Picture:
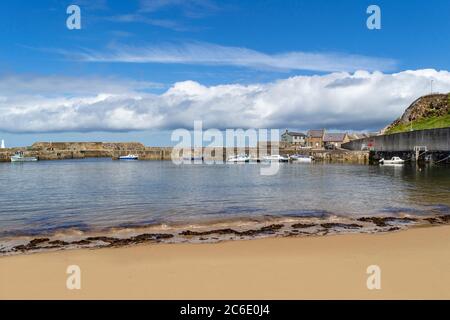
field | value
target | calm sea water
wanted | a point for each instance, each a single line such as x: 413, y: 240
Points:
x: 48, y: 196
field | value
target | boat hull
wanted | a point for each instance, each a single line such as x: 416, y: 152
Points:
x: 302, y: 160
x: 389, y: 162
x: 238, y: 160
x: 129, y: 157
x: 26, y: 159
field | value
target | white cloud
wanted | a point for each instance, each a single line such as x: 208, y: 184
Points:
x: 362, y: 100
x: 16, y: 85
x: 199, y: 53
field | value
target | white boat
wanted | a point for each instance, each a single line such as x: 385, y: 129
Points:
x: 19, y: 157
x: 241, y: 158
x: 394, y: 160
x: 275, y: 158
x: 301, y: 158
x: 129, y: 157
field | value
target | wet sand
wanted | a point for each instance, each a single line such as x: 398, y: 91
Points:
x: 415, y: 264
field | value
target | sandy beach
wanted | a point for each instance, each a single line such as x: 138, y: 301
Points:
x: 415, y: 264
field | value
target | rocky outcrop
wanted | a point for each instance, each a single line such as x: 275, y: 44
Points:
x: 433, y: 105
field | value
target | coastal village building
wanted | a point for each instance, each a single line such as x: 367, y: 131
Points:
x: 335, y: 140
x: 319, y: 139
x: 315, y: 138
x: 294, y: 138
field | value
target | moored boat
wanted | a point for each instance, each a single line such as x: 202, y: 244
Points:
x: 241, y: 158
x: 394, y: 160
x: 129, y: 157
x: 275, y: 158
x: 301, y: 158
x: 19, y: 157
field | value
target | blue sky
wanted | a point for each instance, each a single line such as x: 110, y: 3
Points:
x: 155, y: 64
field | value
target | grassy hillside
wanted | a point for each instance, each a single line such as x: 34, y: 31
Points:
x: 428, y: 123
x: 427, y: 112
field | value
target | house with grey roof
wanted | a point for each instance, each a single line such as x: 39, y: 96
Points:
x: 335, y: 139
x: 294, y: 138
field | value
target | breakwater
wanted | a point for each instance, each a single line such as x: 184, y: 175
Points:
x: 82, y: 150
x: 432, y: 145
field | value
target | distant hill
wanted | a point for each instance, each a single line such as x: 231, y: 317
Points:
x: 427, y: 112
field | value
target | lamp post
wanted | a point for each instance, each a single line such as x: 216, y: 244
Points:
x: 432, y: 86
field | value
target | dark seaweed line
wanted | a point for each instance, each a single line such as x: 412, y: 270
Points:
x: 385, y: 223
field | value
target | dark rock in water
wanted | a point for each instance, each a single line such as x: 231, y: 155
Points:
x: 103, y: 239
x: 432, y: 220
x: 206, y: 233
x: 393, y: 229
x: 21, y: 248
x: 117, y: 242
x: 340, y: 225
x: 264, y: 230
x: 58, y: 243
x: 302, y: 225
x: 445, y: 218
x: 121, y: 242
x: 152, y: 236
x: 383, y: 221
x: 81, y: 242
x: 380, y: 222
x: 35, y: 242
x: 111, y: 242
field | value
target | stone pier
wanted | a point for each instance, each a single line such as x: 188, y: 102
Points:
x: 82, y: 150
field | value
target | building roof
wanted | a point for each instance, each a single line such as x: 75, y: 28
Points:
x: 334, y: 137
x: 293, y: 133
x: 316, y: 133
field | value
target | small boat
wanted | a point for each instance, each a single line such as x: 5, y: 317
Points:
x: 275, y: 158
x: 301, y: 158
x: 129, y: 157
x: 242, y: 158
x: 19, y: 157
x: 394, y: 160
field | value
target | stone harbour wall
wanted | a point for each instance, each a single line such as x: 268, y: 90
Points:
x: 81, y: 150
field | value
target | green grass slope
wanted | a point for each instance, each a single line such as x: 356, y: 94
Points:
x: 422, y: 124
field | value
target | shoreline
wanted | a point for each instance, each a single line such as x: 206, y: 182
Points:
x: 216, y: 231
x: 414, y: 265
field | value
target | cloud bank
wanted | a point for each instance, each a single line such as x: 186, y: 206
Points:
x: 200, y: 53
x: 347, y: 101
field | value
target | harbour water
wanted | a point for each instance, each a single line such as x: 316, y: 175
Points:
x: 97, y: 195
